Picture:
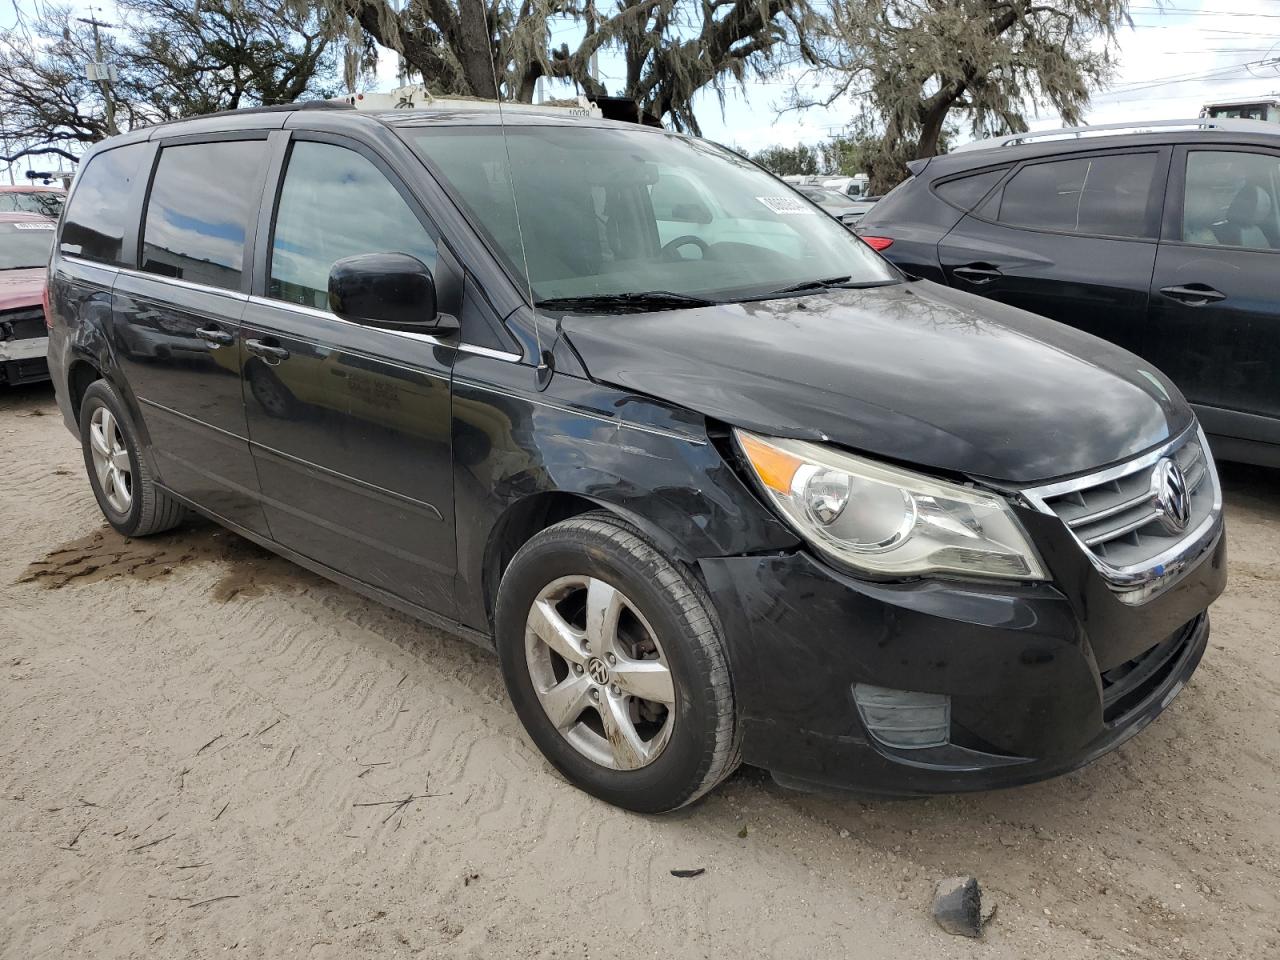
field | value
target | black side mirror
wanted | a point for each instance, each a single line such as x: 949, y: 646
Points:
x: 392, y: 290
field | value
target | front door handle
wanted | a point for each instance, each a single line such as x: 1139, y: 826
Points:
x: 1194, y: 294
x: 215, y: 336
x: 977, y: 273
x: 272, y: 353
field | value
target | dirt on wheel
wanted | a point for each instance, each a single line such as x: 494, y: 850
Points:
x: 205, y: 750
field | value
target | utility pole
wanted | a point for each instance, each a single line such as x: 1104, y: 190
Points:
x: 103, y: 71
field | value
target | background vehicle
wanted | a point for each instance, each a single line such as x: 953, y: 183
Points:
x: 1264, y: 108
x: 840, y: 205
x: 32, y: 198
x: 25, y: 239
x: 741, y: 493
x: 855, y: 186
x: 1164, y: 240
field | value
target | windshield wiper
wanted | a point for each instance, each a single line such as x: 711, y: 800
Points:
x: 830, y: 283
x: 626, y: 302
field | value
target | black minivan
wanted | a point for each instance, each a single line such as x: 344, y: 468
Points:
x: 716, y: 480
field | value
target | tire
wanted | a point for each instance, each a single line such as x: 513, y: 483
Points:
x: 693, y: 743
x: 148, y: 509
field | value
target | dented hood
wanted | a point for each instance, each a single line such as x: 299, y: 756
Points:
x: 23, y: 287
x: 913, y: 372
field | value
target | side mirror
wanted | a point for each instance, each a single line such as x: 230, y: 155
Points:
x: 392, y: 290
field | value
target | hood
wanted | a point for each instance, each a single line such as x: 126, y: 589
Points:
x: 21, y: 288
x: 913, y: 372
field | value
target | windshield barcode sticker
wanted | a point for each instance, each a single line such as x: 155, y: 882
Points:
x: 788, y: 206
x: 33, y: 226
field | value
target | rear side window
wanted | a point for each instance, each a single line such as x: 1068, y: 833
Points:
x: 202, y: 203
x: 965, y: 193
x: 1232, y: 199
x: 1105, y: 195
x: 334, y: 204
x: 94, y: 227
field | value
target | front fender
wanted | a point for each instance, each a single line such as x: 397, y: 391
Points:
x: 652, y: 464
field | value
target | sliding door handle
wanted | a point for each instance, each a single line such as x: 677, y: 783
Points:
x: 216, y: 336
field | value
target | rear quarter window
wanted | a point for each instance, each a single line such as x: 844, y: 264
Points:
x: 965, y: 193
x: 95, y: 217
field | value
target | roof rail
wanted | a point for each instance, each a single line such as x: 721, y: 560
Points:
x: 1119, y: 129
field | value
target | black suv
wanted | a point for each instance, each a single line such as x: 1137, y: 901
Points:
x: 714, y: 478
x: 1164, y: 239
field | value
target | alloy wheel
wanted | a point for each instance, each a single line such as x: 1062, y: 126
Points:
x: 599, y: 671
x: 111, y: 460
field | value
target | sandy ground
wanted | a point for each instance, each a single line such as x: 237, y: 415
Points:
x: 191, y: 731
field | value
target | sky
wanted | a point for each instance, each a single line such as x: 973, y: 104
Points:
x: 1178, y: 55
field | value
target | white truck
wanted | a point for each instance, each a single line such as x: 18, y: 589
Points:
x: 417, y: 97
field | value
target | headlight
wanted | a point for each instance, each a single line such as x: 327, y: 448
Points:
x: 885, y: 520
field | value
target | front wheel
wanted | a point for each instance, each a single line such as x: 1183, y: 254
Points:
x: 613, y: 659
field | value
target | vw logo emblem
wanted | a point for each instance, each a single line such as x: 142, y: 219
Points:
x: 597, y: 671
x: 1172, y: 499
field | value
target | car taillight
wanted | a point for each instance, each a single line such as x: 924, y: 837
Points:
x: 44, y: 302
x: 878, y: 243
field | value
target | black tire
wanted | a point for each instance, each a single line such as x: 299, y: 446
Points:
x: 151, y: 510
x: 704, y: 741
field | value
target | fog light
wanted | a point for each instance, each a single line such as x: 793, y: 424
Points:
x: 906, y: 719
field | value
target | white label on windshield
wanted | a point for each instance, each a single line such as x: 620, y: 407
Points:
x: 788, y: 206
x: 33, y: 226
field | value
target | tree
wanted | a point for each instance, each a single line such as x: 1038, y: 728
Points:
x: 174, y: 60
x: 784, y: 161
x: 918, y: 63
x: 670, y: 49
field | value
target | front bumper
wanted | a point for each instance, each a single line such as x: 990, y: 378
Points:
x: 1043, y: 678
x: 23, y: 361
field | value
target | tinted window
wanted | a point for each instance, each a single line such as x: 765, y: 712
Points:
x: 1230, y: 199
x: 335, y: 204
x: 1105, y: 195
x: 95, y: 221
x: 965, y: 192
x: 203, y: 199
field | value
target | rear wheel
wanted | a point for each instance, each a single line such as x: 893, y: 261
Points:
x: 121, y: 481
x: 614, y: 662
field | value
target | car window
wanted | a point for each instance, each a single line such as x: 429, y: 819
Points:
x: 45, y: 202
x: 609, y: 212
x: 1230, y: 199
x: 1105, y: 195
x: 200, y: 210
x: 94, y: 226
x: 25, y: 244
x: 336, y: 204
x: 965, y: 192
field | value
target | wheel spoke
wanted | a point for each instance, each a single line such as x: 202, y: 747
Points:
x: 566, y: 700
x: 629, y: 751
x: 646, y: 679
x: 100, y: 443
x: 604, y: 606
x: 120, y: 460
x: 121, y: 489
x: 553, y: 630
x: 108, y: 428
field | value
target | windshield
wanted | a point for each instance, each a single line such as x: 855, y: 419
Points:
x: 25, y: 244
x: 616, y: 212
x: 45, y: 202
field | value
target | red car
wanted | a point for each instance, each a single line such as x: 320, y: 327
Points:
x: 25, y: 240
x: 45, y: 200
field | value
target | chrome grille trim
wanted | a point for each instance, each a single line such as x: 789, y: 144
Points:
x: 1154, y: 558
